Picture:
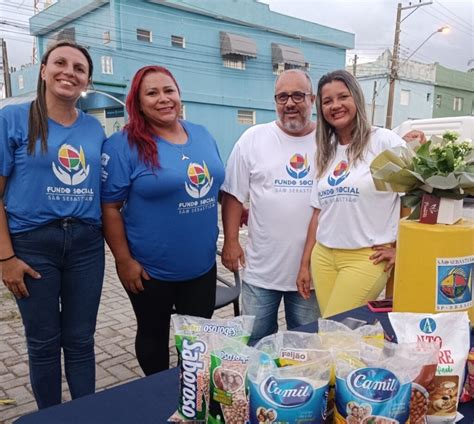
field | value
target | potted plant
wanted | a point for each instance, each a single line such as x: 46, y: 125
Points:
x: 435, y: 177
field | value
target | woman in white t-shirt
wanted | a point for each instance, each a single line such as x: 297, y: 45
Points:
x: 352, y: 232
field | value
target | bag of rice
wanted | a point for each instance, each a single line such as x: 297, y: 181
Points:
x: 449, y: 331
x: 192, y: 342
x: 377, y: 387
x: 290, y: 394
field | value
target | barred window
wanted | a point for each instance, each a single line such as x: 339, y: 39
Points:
x: 107, y: 65
x: 246, y: 117
x: 234, y: 61
x: 144, y: 35
x: 178, y: 41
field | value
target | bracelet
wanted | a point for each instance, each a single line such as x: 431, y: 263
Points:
x: 7, y: 259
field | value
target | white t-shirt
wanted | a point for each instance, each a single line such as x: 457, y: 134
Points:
x: 353, y: 213
x: 274, y: 171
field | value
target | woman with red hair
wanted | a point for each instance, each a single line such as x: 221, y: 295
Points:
x: 161, y: 178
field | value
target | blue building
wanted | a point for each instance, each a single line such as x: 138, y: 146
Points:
x: 225, y: 55
x: 413, y: 94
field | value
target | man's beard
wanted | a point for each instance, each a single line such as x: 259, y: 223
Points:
x: 294, y: 125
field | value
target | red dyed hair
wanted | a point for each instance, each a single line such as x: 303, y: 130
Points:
x: 139, y: 130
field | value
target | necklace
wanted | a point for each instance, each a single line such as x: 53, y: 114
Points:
x: 181, y: 150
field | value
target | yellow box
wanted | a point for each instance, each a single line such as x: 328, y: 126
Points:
x: 434, y: 267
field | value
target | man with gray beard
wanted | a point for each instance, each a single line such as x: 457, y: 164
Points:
x: 272, y: 167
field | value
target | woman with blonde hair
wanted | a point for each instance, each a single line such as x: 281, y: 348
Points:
x: 354, y: 226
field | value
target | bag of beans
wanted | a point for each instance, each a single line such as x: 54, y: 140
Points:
x: 376, y: 387
x: 450, y: 331
x: 291, y: 347
x: 228, y: 401
x: 192, y: 335
x: 291, y: 394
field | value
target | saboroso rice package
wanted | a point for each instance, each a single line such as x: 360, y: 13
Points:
x: 377, y: 387
x: 292, y: 394
x: 192, y: 341
x: 449, y: 331
x: 291, y: 347
x: 228, y: 401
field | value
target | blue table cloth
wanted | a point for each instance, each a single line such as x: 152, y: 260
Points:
x: 151, y: 400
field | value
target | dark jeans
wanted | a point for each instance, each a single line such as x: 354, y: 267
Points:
x: 153, y: 308
x: 61, y: 310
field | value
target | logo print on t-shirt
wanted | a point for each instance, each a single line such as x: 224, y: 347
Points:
x: 71, y: 168
x: 340, y: 173
x: 200, y: 181
x: 298, y: 167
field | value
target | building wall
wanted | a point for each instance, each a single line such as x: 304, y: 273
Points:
x: 451, y: 84
x: 367, y: 85
x: 211, y: 92
x: 420, y: 100
x: 420, y: 104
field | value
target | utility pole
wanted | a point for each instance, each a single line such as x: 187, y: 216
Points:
x: 34, y: 56
x: 354, y: 65
x: 394, y: 67
x: 374, y: 95
x: 6, y: 69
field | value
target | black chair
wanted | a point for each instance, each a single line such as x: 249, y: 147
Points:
x: 228, y: 292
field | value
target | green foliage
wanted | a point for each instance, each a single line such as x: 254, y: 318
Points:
x: 443, y: 158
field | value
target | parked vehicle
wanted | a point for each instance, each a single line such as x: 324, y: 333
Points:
x: 464, y: 125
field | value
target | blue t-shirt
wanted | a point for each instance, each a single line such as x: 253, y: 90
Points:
x: 63, y: 182
x: 170, y: 213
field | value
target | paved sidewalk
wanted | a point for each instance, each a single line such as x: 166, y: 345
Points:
x: 115, y: 351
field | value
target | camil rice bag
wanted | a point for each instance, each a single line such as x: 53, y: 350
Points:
x: 291, y: 394
x: 192, y: 341
x: 377, y: 387
x: 344, y: 343
x: 449, y: 331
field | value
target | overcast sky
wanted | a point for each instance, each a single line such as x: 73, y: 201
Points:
x: 372, y: 22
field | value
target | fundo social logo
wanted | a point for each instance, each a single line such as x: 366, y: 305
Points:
x: 298, y: 166
x: 199, y: 180
x: 71, y: 168
x: 340, y: 173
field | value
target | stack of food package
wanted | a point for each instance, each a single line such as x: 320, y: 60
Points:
x: 340, y: 375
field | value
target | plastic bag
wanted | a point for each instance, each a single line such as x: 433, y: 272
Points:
x: 449, y: 331
x: 228, y: 401
x: 192, y: 341
x: 289, y: 394
x: 376, y: 388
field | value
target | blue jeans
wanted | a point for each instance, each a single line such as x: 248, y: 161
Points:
x: 264, y: 304
x: 61, y: 310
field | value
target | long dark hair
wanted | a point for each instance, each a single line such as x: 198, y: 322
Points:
x: 38, y: 117
x: 326, y: 136
x: 140, y: 132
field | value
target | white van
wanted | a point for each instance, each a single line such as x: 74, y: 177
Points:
x: 463, y: 125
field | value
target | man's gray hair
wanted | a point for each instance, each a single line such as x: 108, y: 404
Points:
x: 300, y: 71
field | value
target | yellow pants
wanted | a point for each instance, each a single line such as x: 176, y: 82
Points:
x: 345, y: 279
